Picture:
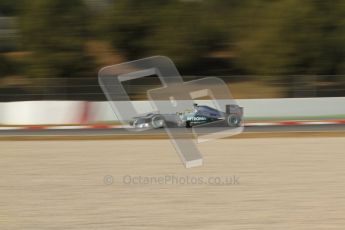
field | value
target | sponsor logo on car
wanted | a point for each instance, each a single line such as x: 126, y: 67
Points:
x: 196, y: 118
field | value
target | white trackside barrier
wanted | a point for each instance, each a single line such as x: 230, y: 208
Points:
x: 40, y: 112
x: 76, y: 112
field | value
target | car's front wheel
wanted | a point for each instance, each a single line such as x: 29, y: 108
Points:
x: 157, y: 121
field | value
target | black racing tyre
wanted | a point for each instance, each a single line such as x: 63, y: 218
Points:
x: 157, y: 121
x: 233, y: 120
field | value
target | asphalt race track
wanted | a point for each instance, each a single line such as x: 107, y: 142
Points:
x: 125, y: 132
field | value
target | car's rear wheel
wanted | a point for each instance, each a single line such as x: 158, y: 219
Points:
x: 233, y: 120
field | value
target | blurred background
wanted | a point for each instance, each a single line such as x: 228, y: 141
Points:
x: 53, y: 49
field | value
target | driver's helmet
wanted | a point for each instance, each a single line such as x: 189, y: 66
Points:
x: 195, y: 107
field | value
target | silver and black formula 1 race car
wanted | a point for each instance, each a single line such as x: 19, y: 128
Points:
x: 200, y: 114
